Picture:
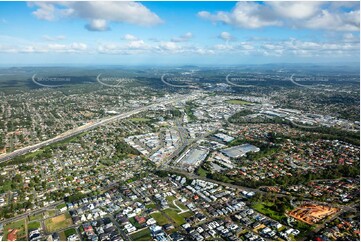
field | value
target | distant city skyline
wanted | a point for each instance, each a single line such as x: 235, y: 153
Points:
x: 178, y: 33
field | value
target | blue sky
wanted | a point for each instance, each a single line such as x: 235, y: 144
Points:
x: 177, y: 33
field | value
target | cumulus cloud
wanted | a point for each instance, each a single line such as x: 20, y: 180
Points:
x: 168, y: 46
x: 343, y: 21
x: 312, y: 15
x: 295, y: 10
x: 225, y: 36
x: 97, y: 13
x: 245, y: 15
x: 183, y: 38
x: 129, y: 37
x: 97, y: 25
x: 138, y: 44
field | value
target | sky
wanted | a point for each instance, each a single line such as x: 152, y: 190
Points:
x: 179, y: 33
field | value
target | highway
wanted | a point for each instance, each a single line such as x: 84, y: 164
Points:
x: 89, y: 126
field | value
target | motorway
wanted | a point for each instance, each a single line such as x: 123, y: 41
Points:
x: 89, y: 126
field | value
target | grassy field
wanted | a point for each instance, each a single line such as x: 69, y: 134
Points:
x: 60, y: 206
x: 59, y: 222
x: 36, y: 217
x: 62, y: 236
x: 159, y: 217
x: 142, y: 235
x: 34, y: 225
x: 187, y: 214
x: 238, y: 102
x: 151, y: 205
x: 50, y: 213
x: 178, y: 219
x: 202, y: 172
x: 181, y: 205
x: 135, y: 223
x: 170, y: 200
x: 264, y: 208
x: 69, y: 232
x: 19, y: 225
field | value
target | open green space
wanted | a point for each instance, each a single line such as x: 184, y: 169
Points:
x: 19, y: 225
x: 238, y: 102
x: 266, y: 209
x: 170, y: 200
x: 160, y: 218
x: 135, y: 223
x: 62, y: 236
x: 178, y: 219
x: 69, y: 232
x: 181, y: 205
x: 60, y: 206
x: 34, y: 225
x: 59, y: 222
x: 151, y: 205
x: 36, y: 216
x: 50, y: 213
x: 187, y: 214
x: 202, y: 172
x: 142, y: 235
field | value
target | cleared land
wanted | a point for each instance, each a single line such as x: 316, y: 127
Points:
x: 312, y: 213
x: 59, y: 222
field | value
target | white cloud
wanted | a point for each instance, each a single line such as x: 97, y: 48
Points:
x: 245, y: 15
x: 75, y: 47
x: 351, y: 38
x: 48, y: 11
x: 168, y: 46
x: 343, y: 21
x: 296, y: 10
x: 138, y: 44
x: 183, y: 38
x: 98, y: 13
x: 54, y: 38
x: 344, y: 46
x: 97, y: 25
x: 129, y: 37
x: 225, y: 36
x: 312, y: 15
